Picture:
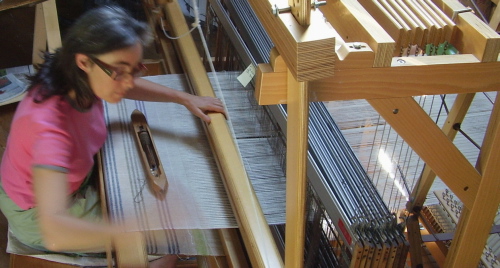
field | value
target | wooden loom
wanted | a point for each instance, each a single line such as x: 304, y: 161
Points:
x: 316, y: 63
x: 368, y: 70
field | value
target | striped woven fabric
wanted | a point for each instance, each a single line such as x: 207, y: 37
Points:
x: 196, y: 202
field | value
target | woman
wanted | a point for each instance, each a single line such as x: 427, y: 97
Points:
x: 59, y: 127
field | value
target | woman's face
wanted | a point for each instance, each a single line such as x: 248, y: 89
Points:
x: 111, y: 75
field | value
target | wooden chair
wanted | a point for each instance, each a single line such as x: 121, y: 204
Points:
x: 495, y: 16
x: 46, y: 34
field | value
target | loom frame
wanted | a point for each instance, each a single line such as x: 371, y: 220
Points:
x: 393, y: 99
x: 336, y: 76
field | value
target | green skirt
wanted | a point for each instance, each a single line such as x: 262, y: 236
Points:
x: 23, y: 224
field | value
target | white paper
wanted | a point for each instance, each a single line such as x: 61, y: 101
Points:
x: 10, y: 88
x: 247, y: 75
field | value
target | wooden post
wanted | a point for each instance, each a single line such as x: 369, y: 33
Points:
x: 429, y: 142
x: 301, y: 10
x: 51, y: 25
x: 456, y: 115
x: 46, y: 34
x: 296, y: 157
x: 475, y: 222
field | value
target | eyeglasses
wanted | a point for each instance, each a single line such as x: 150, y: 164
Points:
x: 117, y: 74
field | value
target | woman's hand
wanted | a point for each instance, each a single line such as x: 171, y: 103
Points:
x: 146, y: 90
x: 200, y: 106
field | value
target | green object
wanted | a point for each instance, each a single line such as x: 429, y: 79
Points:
x: 429, y: 49
x: 451, y: 50
x: 444, y: 48
x: 441, y: 48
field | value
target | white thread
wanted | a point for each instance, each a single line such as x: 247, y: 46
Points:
x: 196, y: 24
x: 212, y: 68
x: 138, y: 198
x: 174, y: 37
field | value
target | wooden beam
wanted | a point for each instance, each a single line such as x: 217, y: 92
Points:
x: 455, y: 116
x: 415, y: 77
x: 29, y: 261
x: 209, y: 262
x: 270, y: 76
x: 233, y: 249
x: 256, y: 234
x: 473, y: 35
x: 9, y: 4
x: 391, y: 25
x: 415, y: 240
x: 51, y: 25
x: 476, y: 38
x: 307, y: 50
x: 46, y: 36
x: 133, y: 253
x: 355, y: 24
x: 301, y: 10
x: 104, y: 204
x: 409, y: 80
x: 267, y: 83
x: 423, y: 135
x: 475, y: 221
x: 296, y: 160
x: 495, y: 18
x: 437, y: 249
x: 39, y: 36
x: 357, y: 55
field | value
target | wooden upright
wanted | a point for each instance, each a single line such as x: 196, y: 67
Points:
x: 257, y: 236
x: 306, y: 43
x: 47, y: 34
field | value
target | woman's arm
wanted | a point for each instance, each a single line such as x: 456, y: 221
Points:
x: 149, y: 91
x: 60, y: 230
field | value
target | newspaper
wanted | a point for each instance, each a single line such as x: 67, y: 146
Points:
x: 13, y: 84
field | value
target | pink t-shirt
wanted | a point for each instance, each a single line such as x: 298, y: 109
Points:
x: 52, y: 134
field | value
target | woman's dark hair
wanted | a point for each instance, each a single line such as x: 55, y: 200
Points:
x: 98, y: 31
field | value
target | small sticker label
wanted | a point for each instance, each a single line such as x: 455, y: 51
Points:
x: 247, y: 75
x: 345, y: 232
